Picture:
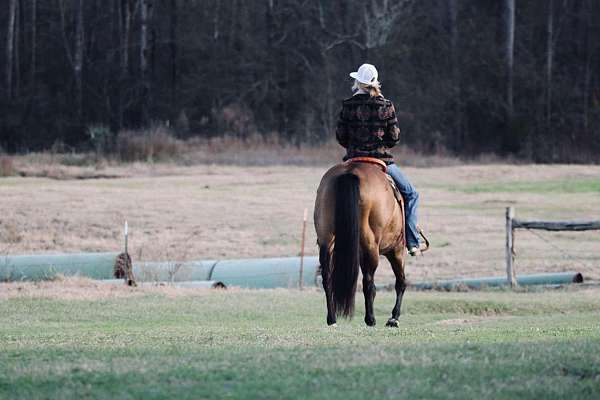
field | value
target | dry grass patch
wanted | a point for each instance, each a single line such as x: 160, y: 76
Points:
x: 6, y: 166
x: 470, y: 320
x: 155, y: 144
x: 179, y: 213
x: 79, y: 288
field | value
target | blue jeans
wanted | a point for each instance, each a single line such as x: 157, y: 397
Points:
x: 411, y: 203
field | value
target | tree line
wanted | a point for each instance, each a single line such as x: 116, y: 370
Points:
x: 507, y: 77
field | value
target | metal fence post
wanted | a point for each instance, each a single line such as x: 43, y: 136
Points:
x: 301, y: 277
x: 510, y: 245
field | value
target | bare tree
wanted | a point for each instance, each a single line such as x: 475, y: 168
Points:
x: 125, y: 12
x: 10, y: 42
x: 509, y: 20
x: 33, y: 70
x: 453, y: 16
x: 270, y: 39
x: 74, y: 56
x: 125, y: 18
x: 588, y: 65
x: 380, y: 18
x: 17, y: 51
x: 145, y: 14
x: 173, y: 48
x: 78, y: 57
x: 549, y: 61
x: 216, y: 32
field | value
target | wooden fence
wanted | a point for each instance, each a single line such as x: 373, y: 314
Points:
x: 512, y: 223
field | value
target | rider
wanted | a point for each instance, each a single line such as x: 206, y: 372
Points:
x: 368, y: 127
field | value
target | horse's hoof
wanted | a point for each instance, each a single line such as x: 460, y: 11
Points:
x: 334, y: 325
x: 393, y: 323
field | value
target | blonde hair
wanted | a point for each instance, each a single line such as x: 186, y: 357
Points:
x: 374, y: 89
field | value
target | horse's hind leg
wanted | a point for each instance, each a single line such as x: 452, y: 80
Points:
x: 324, y: 260
x: 368, y: 265
x: 396, y: 259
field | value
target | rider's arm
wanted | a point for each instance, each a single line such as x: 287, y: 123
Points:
x: 341, y: 132
x: 392, y: 131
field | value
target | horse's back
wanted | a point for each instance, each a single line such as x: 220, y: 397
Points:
x: 373, y: 181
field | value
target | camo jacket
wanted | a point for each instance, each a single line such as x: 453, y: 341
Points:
x: 368, y: 127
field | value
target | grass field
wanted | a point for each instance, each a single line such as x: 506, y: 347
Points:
x: 66, y: 340
x: 79, y: 339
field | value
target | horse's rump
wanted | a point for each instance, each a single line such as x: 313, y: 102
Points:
x: 356, y: 216
x: 379, y: 207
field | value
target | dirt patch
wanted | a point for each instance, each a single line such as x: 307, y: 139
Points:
x: 470, y: 320
x: 67, y: 173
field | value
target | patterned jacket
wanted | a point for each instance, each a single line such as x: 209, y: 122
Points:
x: 368, y: 127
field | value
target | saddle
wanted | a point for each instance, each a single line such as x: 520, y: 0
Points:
x: 368, y: 160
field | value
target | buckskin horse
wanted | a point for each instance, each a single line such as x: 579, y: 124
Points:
x: 357, y: 219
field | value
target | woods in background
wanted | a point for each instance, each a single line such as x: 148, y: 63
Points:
x: 505, y: 77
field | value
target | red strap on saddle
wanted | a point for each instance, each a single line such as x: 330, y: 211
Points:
x: 369, y: 160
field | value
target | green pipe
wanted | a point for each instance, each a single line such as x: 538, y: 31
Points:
x: 265, y: 273
x: 247, y: 273
x: 172, y: 271
x: 39, y: 267
x: 560, y: 278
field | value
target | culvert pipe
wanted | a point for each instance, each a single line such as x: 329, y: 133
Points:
x: 283, y: 272
x: 172, y: 271
x: 265, y: 273
x: 257, y: 273
x: 48, y: 266
x: 560, y: 278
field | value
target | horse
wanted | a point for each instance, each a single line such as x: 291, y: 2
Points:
x: 358, y: 218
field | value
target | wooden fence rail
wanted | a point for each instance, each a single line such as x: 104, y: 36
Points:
x: 512, y: 224
x: 557, y: 225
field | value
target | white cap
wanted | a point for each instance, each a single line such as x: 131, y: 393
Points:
x: 366, y: 74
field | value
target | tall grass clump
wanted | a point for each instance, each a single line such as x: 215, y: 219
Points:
x: 7, y: 167
x: 153, y: 144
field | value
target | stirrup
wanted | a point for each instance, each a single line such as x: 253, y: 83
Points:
x: 422, y: 248
x: 425, y: 247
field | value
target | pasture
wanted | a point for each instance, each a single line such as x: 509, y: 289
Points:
x: 220, y: 212
x: 78, y: 339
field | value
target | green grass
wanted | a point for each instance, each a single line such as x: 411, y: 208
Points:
x: 274, y: 344
x: 557, y: 186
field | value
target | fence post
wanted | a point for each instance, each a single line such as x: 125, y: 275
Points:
x: 510, y: 269
x: 301, y: 277
x: 126, y: 236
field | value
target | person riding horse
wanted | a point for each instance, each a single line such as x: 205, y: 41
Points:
x: 368, y: 127
x: 357, y: 215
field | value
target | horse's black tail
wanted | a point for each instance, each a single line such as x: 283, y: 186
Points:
x: 345, y: 261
